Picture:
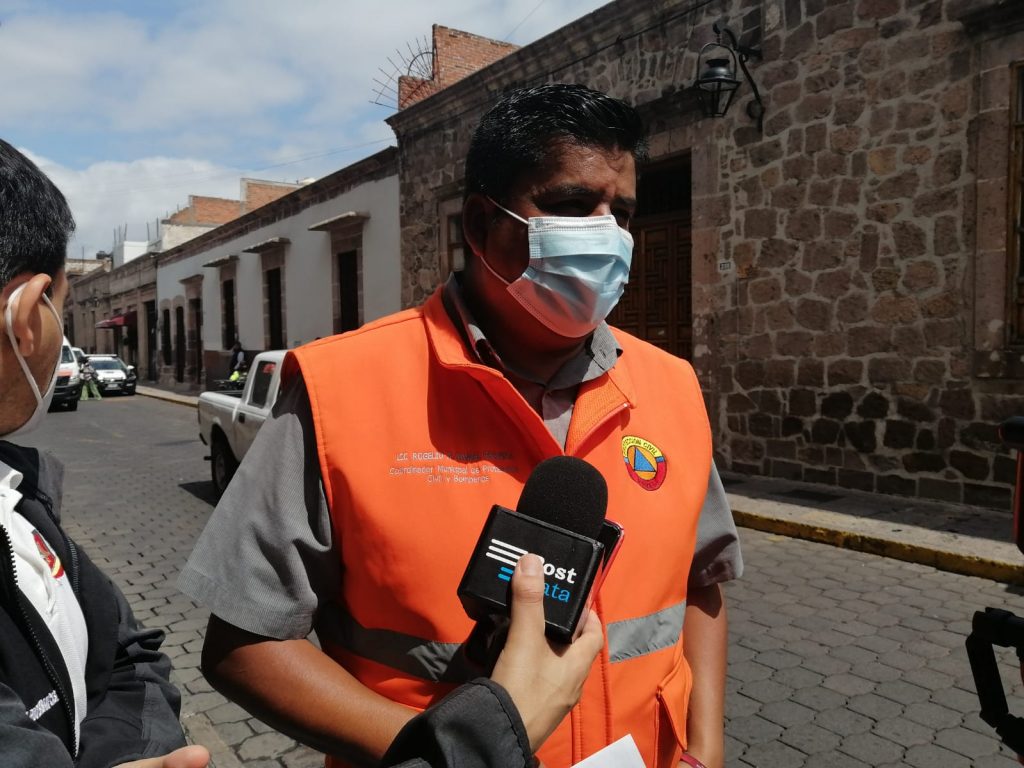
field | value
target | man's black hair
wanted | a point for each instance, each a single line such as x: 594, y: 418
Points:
x: 35, y: 221
x: 517, y: 132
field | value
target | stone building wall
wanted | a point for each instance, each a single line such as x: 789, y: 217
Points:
x: 845, y: 262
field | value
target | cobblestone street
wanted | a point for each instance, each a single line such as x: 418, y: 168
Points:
x: 838, y: 659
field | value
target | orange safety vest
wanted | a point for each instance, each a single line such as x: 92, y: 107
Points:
x: 417, y: 440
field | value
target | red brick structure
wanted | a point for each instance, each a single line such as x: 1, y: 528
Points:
x: 849, y: 283
x: 214, y: 211
x: 456, y: 54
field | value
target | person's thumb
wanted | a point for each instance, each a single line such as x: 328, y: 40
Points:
x: 527, y: 599
x: 187, y: 757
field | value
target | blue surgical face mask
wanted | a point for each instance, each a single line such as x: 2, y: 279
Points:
x: 579, y: 267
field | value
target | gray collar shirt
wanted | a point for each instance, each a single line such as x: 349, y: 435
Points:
x: 553, y: 400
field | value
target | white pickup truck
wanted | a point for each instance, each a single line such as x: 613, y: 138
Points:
x: 229, y: 421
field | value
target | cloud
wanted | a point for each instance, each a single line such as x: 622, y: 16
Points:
x: 108, y: 195
x: 132, y: 107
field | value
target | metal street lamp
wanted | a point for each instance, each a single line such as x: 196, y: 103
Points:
x: 716, y: 75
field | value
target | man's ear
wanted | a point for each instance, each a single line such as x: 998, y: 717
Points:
x: 476, y: 222
x: 27, y: 313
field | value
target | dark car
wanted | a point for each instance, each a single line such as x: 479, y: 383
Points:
x: 112, y: 375
x: 69, y: 381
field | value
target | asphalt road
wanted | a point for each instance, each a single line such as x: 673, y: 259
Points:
x: 837, y: 658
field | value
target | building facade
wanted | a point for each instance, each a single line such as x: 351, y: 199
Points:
x: 848, y: 282
x: 317, y: 261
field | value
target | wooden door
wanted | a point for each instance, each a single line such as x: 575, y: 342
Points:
x: 657, y: 304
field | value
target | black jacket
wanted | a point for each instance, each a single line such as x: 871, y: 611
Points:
x: 132, y: 708
x: 475, y: 726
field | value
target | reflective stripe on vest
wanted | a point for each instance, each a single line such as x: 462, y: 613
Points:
x: 630, y: 638
x: 443, y: 662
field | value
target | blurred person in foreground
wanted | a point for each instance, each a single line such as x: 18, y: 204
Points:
x: 358, y: 506
x: 81, y: 682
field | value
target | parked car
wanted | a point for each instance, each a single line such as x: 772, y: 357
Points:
x: 229, y: 420
x: 79, y: 354
x: 69, y: 380
x: 112, y: 375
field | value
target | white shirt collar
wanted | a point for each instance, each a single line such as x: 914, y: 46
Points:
x: 9, y: 477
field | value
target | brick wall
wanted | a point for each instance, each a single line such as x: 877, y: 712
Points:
x: 256, y: 194
x: 206, y: 210
x: 456, y: 54
x: 836, y: 293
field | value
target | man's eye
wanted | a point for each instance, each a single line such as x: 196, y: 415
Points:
x: 568, y: 208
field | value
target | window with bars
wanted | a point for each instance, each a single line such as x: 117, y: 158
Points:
x: 1015, y: 243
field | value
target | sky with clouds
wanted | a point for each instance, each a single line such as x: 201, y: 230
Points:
x: 131, y: 106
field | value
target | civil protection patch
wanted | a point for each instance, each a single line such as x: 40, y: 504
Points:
x: 644, y: 461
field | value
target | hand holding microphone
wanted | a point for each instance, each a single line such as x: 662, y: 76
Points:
x: 544, y: 678
x: 561, y: 517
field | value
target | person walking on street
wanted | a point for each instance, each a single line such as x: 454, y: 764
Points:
x: 89, y: 388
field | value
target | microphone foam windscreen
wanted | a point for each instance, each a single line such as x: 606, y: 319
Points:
x: 567, y: 492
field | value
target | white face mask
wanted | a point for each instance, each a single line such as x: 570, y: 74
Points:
x: 42, y: 400
x: 579, y: 267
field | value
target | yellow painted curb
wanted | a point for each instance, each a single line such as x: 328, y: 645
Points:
x: 967, y: 565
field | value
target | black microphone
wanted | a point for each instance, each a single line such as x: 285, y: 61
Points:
x: 559, y: 516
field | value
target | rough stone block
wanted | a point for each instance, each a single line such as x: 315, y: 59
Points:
x: 787, y: 470
x: 793, y: 343
x: 942, y: 490
x: 831, y: 164
x: 971, y: 465
x: 899, y: 435
x: 894, y: 310
x: 803, y: 402
x: 886, y: 370
x: 763, y: 425
x: 814, y: 314
x: 845, y: 372
x: 825, y: 431
x: 822, y: 255
x: 856, y: 479
x: 780, y: 373
x: 803, y: 225
x: 789, y: 196
x: 895, y: 485
x: 861, y: 435
x: 852, y: 309
x: 925, y: 440
x: 822, y: 476
x: 957, y: 403
x: 923, y: 461
x: 837, y: 405
x: 776, y: 253
x: 866, y: 340
x: 791, y: 425
x: 944, y: 333
x: 873, y: 406
x: 909, y: 239
x: 914, y: 410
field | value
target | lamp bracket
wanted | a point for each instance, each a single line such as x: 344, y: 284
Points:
x: 756, y: 108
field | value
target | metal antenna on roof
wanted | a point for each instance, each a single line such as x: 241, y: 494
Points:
x: 416, y: 62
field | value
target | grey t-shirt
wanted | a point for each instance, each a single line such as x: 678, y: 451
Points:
x: 266, y: 561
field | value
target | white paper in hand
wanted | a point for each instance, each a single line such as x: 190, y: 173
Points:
x: 622, y: 754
